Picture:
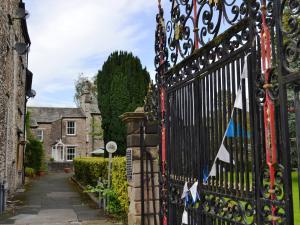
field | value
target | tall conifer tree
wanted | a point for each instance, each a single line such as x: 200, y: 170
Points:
x: 122, y: 86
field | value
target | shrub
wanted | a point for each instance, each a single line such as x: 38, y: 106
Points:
x: 119, y: 181
x: 34, y: 154
x: 29, y: 172
x: 89, y: 169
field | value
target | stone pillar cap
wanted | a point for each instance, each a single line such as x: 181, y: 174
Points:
x: 137, y: 115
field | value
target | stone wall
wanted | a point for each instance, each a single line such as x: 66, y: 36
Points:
x: 57, y: 130
x: 12, y: 97
x: 135, y: 189
x: 80, y: 139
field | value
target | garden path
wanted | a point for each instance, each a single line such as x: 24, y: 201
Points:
x: 54, y: 200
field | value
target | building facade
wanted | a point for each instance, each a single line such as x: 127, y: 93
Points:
x: 67, y: 133
x: 15, y: 89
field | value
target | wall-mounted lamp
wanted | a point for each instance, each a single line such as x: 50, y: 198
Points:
x: 21, y: 48
x: 31, y: 94
x: 20, y: 14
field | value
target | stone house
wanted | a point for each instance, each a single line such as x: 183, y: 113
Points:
x: 67, y: 133
x: 15, y: 90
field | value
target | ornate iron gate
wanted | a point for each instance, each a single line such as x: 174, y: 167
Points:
x: 223, y: 69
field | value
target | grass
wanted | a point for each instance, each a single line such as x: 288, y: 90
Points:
x: 296, y: 198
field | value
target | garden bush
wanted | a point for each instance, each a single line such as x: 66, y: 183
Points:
x: 89, y: 169
x: 29, y: 172
x: 34, y: 154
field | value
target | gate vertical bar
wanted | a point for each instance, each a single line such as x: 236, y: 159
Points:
x: 142, y: 144
x: 297, y: 111
x: 286, y: 159
x: 160, y: 61
x: 196, y: 29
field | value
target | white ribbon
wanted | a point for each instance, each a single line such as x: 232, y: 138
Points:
x: 185, y: 190
x: 194, y: 192
x: 185, y: 219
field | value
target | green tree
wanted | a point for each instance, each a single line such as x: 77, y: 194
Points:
x: 122, y: 86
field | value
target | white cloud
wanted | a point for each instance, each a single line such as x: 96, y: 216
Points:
x: 67, y: 34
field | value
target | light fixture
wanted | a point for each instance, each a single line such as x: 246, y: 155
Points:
x: 21, y: 13
x: 21, y: 48
x: 31, y: 93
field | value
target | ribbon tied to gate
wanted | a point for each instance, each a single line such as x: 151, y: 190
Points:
x: 187, y: 195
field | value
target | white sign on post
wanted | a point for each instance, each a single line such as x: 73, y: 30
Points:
x: 111, y: 147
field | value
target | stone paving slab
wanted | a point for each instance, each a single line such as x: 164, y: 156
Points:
x: 53, y: 200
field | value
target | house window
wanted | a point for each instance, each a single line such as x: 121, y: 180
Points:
x: 71, y: 153
x: 71, y: 128
x: 40, y: 135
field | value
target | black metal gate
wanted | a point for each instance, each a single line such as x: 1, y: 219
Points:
x: 223, y: 70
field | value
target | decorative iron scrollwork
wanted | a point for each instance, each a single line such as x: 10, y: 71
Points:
x: 290, y: 27
x: 151, y: 103
x: 212, y: 18
x: 161, y: 51
x: 229, y: 209
x: 230, y: 41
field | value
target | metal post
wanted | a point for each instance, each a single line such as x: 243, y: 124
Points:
x: 297, y: 112
x: 142, y: 173
x: 196, y: 29
x: 1, y: 198
x: 109, y: 175
x: 109, y: 169
x: 99, y: 194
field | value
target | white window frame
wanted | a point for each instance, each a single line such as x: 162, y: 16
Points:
x: 67, y: 153
x: 42, y: 136
x: 70, y: 127
x: 54, y: 153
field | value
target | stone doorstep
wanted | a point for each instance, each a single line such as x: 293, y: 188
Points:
x: 135, y: 193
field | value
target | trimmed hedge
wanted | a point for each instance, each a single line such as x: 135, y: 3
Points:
x: 119, y: 182
x: 89, y: 169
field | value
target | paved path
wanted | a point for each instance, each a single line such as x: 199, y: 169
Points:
x: 54, y: 200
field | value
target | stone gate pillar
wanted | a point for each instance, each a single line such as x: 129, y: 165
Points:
x: 133, y: 121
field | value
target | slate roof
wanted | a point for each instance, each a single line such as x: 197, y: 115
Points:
x: 51, y: 114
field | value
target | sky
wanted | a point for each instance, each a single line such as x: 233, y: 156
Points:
x: 70, y: 37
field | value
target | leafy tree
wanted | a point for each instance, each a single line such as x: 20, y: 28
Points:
x: 122, y: 85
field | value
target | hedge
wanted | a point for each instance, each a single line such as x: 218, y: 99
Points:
x: 89, y: 169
